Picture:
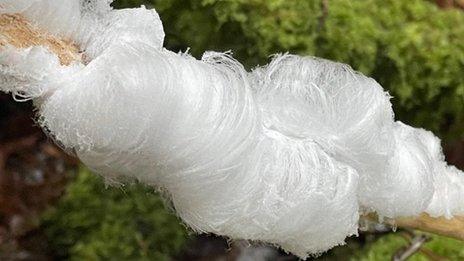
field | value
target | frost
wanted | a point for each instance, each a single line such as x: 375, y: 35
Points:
x: 285, y: 154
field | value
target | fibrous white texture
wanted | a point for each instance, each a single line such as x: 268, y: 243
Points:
x: 288, y: 154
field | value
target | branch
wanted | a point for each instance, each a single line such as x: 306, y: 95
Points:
x: 17, y: 31
x: 446, y: 227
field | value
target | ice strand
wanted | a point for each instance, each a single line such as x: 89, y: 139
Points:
x: 289, y: 154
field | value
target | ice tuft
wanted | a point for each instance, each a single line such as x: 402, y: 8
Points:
x: 287, y: 154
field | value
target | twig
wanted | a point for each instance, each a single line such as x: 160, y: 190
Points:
x: 414, y: 246
x: 325, y: 13
x: 409, y: 235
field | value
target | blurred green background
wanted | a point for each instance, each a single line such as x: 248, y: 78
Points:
x: 414, y: 49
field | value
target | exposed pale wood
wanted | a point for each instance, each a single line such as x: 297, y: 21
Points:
x: 453, y: 227
x: 18, y: 32
x: 447, y: 227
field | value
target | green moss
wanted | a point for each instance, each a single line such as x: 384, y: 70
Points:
x: 385, y: 247
x: 414, y: 49
x: 92, y: 222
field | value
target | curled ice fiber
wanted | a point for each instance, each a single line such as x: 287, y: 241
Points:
x: 288, y: 154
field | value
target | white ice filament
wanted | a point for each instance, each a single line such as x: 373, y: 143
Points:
x: 286, y: 154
